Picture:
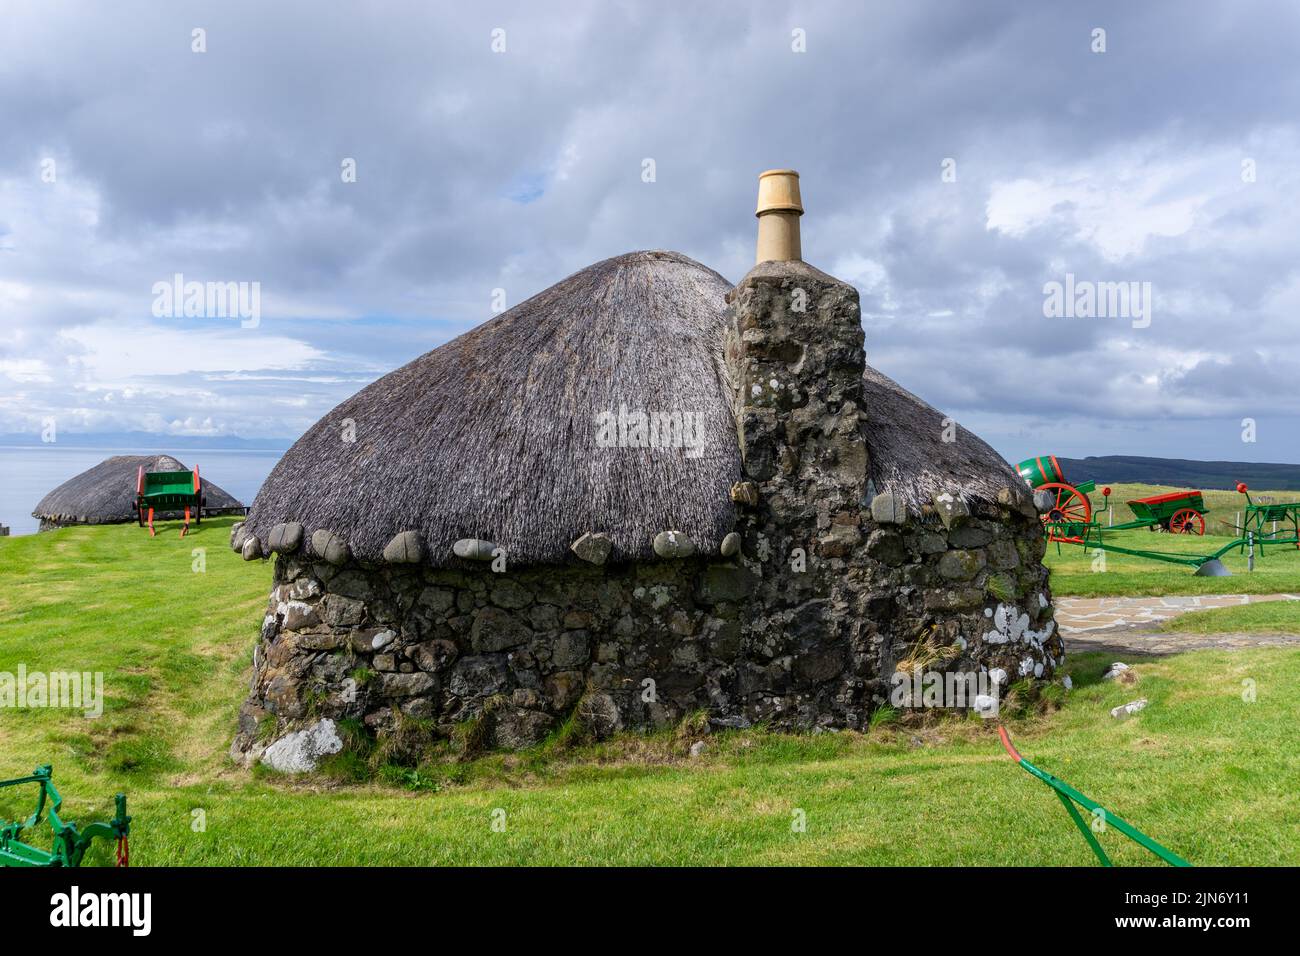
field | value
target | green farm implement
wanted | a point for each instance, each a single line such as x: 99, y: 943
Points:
x: 1179, y: 512
x: 1271, y: 523
x: 70, y: 843
x: 158, y: 491
x: 1070, y: 505
x: 1102, y: 819
x: 1206, y: 565
x: 1069, y: 517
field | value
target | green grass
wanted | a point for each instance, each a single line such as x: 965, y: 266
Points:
x: 1075, y: 572
x: 1203, y: 771
x: 1277, y: 617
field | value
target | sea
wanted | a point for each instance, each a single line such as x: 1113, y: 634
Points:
x: 28, y: 473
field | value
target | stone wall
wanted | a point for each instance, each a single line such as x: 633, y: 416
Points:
x: 640, y: 645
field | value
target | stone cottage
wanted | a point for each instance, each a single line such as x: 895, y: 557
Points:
x: 641, y: 493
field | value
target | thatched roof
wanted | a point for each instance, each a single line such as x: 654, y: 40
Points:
x: 494, y: 435
x: 910, y: 458
x: 105, y: 494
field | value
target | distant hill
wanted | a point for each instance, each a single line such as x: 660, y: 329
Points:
x: 1181, y: 472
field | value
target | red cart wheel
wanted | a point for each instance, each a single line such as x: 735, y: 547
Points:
x: 1070, y: 506
x: 1187, y: 521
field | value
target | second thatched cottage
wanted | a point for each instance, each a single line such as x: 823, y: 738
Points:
x: 640, y: 493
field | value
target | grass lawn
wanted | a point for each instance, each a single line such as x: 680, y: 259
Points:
x: 1078, y: 573
x: 1280, y: 617
x: 1203, y: 771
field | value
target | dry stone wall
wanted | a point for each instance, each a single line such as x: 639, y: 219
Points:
x: 639, y: 646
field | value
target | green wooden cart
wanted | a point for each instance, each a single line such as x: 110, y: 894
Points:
x: 159, y: 491
x: 1179, y: 512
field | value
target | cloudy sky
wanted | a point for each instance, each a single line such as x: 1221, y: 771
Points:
x: 1171, y: 158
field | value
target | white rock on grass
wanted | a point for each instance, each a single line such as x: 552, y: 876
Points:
x: 1129, y: 709
x: 1114, y: 670
x: 299, y: 751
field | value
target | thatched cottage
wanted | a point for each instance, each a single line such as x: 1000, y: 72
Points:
x: 105, y: 494
x: 641, y: 493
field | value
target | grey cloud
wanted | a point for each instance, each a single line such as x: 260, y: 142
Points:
x: 225, y: 165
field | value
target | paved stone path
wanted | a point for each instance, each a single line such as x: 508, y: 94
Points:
x: 1128, y: 625
x: 1137, y: 643
x: 1081, y: 615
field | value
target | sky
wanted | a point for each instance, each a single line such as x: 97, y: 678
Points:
x: 957, y: 159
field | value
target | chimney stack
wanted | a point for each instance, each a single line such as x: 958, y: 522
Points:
x: 779, y: 209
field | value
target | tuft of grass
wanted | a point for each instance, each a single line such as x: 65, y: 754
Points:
x: 409, y: 778
x: 266, y: 728
x: 570, y: 733
x: 1001, y: 586
x: 693, y: 726
x: 346, y: 766
x: 473, y: 736
x: 927, y: 653
x: 882, y: 716
x: 409, y: 741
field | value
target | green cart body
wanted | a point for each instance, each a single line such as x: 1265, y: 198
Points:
x: 159, y: 491
x: 1180, y: 512
x: 70, y: 843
